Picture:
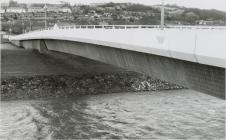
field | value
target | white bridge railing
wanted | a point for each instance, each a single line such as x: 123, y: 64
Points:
x: 136, y: 27
x: 129, y: 27
x: 108, y: 26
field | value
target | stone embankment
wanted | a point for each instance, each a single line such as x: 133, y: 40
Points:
x: 62, y: 86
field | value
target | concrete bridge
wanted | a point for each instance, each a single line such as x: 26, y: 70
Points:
x: 194, y: 57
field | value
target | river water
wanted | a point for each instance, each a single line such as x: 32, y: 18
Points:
x: 171, y: 114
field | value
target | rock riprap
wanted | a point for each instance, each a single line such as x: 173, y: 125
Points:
x: 38, y: 87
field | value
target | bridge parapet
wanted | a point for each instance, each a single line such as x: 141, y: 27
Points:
x: 138, y: 27
x: 205, y: 45
x: 130, y: 27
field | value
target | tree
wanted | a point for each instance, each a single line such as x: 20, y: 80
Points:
x: 13, y: 3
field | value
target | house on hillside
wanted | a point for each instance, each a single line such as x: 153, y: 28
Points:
x: 36, y: 9
x: 53, y: 9
x: 15, y: 10
x: 65, y: 10
x: 2, y: 11
x: 103, y: 23
x: 205, y: 22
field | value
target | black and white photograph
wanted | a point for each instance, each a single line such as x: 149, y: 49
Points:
x: 113, y: 69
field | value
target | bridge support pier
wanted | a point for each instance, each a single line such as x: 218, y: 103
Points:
x: 35, y: 44
x: 203, y: 78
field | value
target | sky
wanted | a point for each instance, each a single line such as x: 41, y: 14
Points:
x: 202, y: 4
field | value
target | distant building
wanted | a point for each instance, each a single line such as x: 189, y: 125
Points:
x: 86, y: 17
x: 110, y: 8
x: 123, y: 6
x: 206, y: 22
x: 65, y: 10
x: 103, y: 23
x: 53, y: 9
x: 2, y: 11
x: 36, y: 9
x: 211, y: 22
x: 201, y: 22
x: 15, y: 10
x: 118, y: 7
x: 99, y: 9
x: 219, y: 22
x: 104, y: 18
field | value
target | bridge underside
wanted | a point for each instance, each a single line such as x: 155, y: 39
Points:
x: 203, y: 78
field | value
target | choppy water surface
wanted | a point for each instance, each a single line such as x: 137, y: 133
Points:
x: 168, y: 114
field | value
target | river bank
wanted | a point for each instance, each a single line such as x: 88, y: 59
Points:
x: 55, y: 86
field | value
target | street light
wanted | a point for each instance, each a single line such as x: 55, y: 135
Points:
x: 29, y: 22
x: 10, y: 27
x: 23, y: 26
x: 162, y: 15
x: 45, y: 8
x: 22, y: 23
x: 29, y: 19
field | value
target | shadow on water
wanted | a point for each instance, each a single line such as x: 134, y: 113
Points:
x: 73, y: 119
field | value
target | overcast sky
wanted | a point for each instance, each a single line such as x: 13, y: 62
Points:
x: 203, y: 4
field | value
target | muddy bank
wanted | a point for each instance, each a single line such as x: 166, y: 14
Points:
x: 38, y: 87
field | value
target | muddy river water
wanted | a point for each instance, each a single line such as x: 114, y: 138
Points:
x: 179, y: 114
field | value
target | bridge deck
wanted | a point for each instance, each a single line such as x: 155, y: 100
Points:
x: 199, y: 45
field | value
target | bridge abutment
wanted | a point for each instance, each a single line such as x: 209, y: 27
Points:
x: 35, y: 44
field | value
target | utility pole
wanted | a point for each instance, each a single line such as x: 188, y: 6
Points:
x: 23, y: 26
x: 10, y: 27
x: 45, y: 7
x: 162, y: 15
x: 29, y: 19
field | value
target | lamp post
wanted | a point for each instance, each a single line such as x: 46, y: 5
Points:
x: 10, y: 27
x: 29, y: 19
x: 29, y: 22
x: 162, y: 15
x: 23, y: 17
x: 22, y: 26
x: 45, y: 8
